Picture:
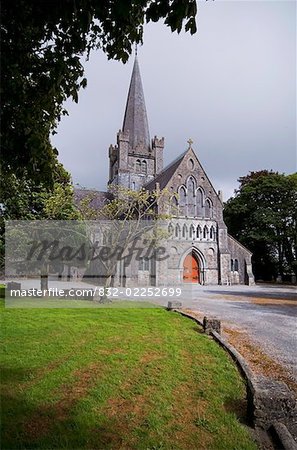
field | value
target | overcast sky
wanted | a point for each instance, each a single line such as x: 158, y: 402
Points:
x: 231, y: 88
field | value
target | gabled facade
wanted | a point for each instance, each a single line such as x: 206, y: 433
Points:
x: 201, y: 251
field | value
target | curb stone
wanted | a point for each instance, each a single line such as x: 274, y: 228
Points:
x: 269, y: 401
x: 283, y: 436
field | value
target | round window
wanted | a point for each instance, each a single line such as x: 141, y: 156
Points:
x: 191, y: 164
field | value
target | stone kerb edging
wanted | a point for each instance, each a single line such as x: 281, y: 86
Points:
x: 284, y: 436
x: 269, y: 402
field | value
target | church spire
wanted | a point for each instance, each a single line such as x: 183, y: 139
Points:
x: 135, y: 119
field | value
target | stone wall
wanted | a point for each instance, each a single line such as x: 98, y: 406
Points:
x: 240, y: 263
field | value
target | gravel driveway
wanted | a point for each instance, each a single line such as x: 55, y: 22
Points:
x: 268, y: 314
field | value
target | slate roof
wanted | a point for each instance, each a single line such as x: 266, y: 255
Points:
x: 164, y: 177
x: 135, y: 119
x: 99, y: 198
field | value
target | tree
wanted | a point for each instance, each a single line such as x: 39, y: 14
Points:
x: 130, y: 217
x: 26, y: 199
x: 42, y: 48
x: 263, y: 216
x: 59, y: 205
x: 39, y: 247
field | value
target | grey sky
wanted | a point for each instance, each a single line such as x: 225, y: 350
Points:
x: 231, y: 88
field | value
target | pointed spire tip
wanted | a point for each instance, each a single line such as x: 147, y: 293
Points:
x: 135, y: 119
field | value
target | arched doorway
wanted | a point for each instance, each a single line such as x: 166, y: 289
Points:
x: 191, y: 269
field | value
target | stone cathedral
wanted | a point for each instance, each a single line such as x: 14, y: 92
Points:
x: 201, y: 250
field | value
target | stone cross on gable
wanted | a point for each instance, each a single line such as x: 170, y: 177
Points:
x: 190, y: 142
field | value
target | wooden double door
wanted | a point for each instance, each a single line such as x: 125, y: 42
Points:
x: 191, y: 269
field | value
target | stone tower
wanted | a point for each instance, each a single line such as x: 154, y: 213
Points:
x: 135, y: 159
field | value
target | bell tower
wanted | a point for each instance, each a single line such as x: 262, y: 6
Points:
x: 135, y: 159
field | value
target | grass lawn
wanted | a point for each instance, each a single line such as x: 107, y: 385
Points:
x: 108, y: 378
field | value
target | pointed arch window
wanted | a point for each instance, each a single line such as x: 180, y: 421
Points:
x: 177, y: 231
x: 212, y: 233
x: 199, y: 202
x: 174, y: 205
x: 208, y: 208
x: 236, y: 265
x: 183, y: 201
x: 144, y: 167
x: 205, y: 232
x: 138, y: 165
x: 192, y: 232
x: 191, y: 184
x: 183, y: 195
x: 198, y: 232
x: 185, y: 231
x: 170, y: 229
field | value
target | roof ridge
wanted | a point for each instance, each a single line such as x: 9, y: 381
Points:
x: 169, y: 165
x: 162, y: 175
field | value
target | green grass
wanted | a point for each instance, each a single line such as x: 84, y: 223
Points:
x: 49, y: 303
x: 116, y: 378
x: 2, y: 290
